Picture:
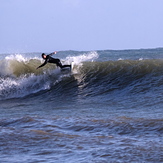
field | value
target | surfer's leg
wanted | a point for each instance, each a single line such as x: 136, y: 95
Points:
x: 59, y: 64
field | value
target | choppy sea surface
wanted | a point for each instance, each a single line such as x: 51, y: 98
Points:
x: 108, y: 108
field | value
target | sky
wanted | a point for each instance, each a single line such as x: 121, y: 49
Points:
x: 57, y: 25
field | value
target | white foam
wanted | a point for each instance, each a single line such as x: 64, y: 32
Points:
x: 20, y: 58
x: 22, y: 86
x: 17, y: 57
x: 140, y: 59
x: 91, y: 56
x: 78, y: 60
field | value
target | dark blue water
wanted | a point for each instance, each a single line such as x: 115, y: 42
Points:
x: 109, y: 108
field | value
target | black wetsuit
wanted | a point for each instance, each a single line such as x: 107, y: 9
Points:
x: 49, y: 59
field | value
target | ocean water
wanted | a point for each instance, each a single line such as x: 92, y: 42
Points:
x: 108, y: 109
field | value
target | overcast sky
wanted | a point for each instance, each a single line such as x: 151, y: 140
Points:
x: 48, y: 25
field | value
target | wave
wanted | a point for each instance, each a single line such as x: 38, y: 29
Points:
x: 19, y: 77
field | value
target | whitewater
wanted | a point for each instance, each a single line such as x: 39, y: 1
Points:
x: 108, y: 108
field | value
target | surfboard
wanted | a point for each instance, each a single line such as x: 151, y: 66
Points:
x: 68, y: 69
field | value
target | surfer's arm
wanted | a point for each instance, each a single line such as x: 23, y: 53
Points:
x: 53, y: 53
x: 43, y: 64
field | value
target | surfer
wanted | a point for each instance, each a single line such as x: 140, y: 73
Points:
x: 49, y: 59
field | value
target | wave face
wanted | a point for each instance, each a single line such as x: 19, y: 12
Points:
x: 100, y: 73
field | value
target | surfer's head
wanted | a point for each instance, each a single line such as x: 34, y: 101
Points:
x: 43, y: 55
